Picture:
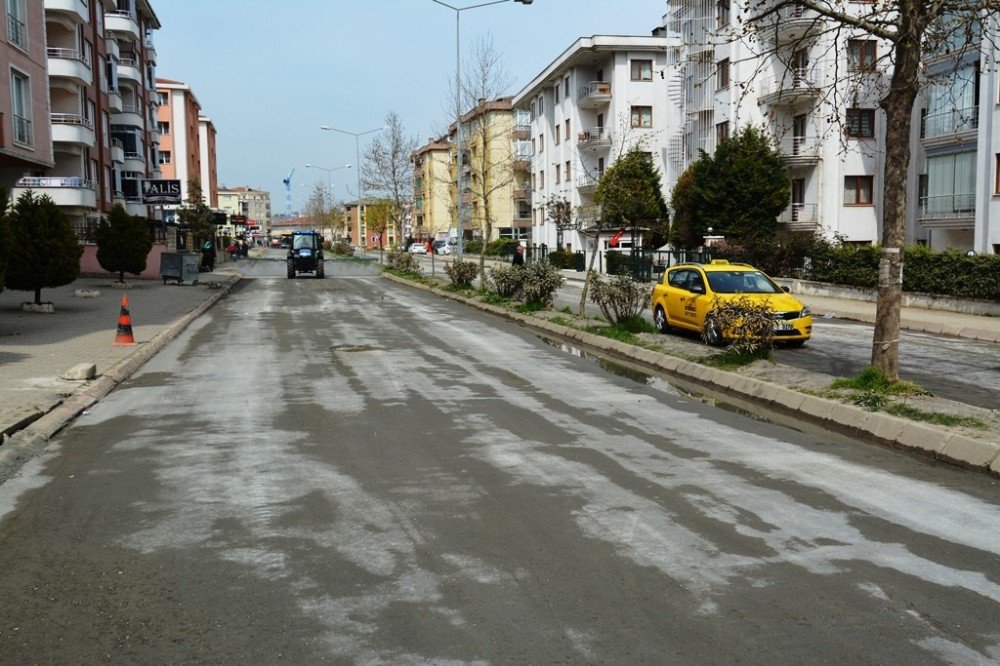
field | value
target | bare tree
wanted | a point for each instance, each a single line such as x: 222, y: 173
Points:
x: 387, y: 169
x: 910, y: 30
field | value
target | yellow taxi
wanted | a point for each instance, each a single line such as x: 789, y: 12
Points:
x: 688, y: 293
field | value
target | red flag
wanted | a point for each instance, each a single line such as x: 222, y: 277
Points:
x: 617, y: 237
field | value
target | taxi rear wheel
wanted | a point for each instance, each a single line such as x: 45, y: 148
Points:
x: 660, y: 320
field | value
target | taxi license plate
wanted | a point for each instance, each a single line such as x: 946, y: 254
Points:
x: 783, y: 326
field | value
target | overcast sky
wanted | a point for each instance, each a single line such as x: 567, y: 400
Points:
x: 269, y: 73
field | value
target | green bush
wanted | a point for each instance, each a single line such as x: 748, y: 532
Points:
x: 621, y: 298
x: 404, y: 262
x: 461, y: 273
x: 562, y: 259
x: 506, y: 280
x: 501, y: 247
x: 748, y: 324
x: 473, y: 246
x: 342, y: 248
x: 541, y: 280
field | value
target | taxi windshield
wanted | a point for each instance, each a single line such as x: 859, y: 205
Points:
x: 741, y: 282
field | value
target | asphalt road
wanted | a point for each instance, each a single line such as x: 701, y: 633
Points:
x: 347, y: 470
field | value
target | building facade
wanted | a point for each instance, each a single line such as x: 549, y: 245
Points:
x: 25, y: 132
x: 100, y: 63
x: 209, y: 169
x: 601, y: 97
x: 245, y: 207
x: 177, y: 121
x: 433, y: 209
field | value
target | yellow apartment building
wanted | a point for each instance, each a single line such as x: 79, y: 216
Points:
x: 433, y: 190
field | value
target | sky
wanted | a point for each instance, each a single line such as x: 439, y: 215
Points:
x: 270, y: 72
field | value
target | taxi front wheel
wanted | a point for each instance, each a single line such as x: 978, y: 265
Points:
x: 712, y: 334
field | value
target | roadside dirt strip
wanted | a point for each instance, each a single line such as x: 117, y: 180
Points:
x: 26, y: 443
x: 927, y: 440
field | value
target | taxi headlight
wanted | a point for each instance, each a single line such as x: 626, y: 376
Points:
x: 805, y: 312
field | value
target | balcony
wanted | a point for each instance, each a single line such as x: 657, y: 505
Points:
x: 72, y: 128
x: 122, y: 23
x: 134, y: 206
x: 128, y: 69
x: 522, y: 191
x: 75, y: 10
x: 587, y: 182
x: 593, y: 95
x: 948, y: 210
x: 118, y: 198
x: 594, y: 138
x: 522, y: 161
x: 131, y: 114
x: 791, y: 23
x: 70, y: 64
x: 69, y: 192
x: 117, y: 151
x: 135, y: 162
x: 800, y: 150
x: 949, y: 126
x: 150, y: 50
x: 17, y: 33
x: 111, y: 46
x: 792, y: 87
x: 114, y: 101
x: 522, y: 132
x: 522, y: 215
x: 800, y: 217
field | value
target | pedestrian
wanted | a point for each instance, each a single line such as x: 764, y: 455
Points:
x: 208, y: 256
x: 518, y: 259
x: 244, y: 249
x: 430, y: 246
x: 231, y: 250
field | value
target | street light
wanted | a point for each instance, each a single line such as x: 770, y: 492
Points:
x: 458, y: 102
x: 329, y: 185
x: 357, y: 154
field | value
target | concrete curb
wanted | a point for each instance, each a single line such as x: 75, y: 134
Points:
x: 26, y: 443
x: 850, y: 420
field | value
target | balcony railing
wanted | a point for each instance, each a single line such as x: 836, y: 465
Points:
x: 794, y: 82
x: 71, y: 119
x: 16, y: 32
x: 594, y: 89
x: 800, y: 214
x: 68, y: 54
x: 128, y: 62
x: 131, y: 107
x: 953, y: 121
x: 594, y: 135
x: 56, y: 181
x: 948, y: 205
x: 22, y: 131
x: 800, y: 147
x: 117, y: 143
x: 586, y: 180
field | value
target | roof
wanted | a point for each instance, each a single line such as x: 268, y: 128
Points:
x: 581, y: 51
x: 484, y: 107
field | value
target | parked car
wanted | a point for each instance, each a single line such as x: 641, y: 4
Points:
x: 418, y: 247
x: 688, y: 293
x: 443, y: 247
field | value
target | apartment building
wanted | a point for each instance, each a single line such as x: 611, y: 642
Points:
x: 251, y: 206
x: 25, y: 132
x: 179, y: 128
x: 100, y: 62
x: 958, y: 155
x: 488, y: 175
x: 602, y: 96
x: 209, y: 165
x: 433, y: 187
x: 356, y: 228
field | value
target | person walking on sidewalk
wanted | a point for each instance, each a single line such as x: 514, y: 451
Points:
x: 518, y: 259
x: 208, y: 255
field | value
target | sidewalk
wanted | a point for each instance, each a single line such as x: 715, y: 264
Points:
x: 36, y: 349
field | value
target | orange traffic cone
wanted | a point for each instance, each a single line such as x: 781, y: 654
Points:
x: 124, y: 336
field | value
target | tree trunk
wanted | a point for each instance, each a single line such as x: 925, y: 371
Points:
x: 586, y: 283
x: 38, y: 296
x: 121, y: 276
x: 898, y: 106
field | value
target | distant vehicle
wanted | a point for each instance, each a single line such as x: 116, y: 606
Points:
x: 443, y: 247
x: 305, y: 254
x: 688, y: 293
x: 418, y: 248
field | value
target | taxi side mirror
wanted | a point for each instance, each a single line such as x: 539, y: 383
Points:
x: 786, y: 290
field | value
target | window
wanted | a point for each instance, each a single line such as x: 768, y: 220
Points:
x: 541, y: 180
x: 20, y: 102
x: 996, y: 186
x: 861, y: 55
x: 722, y: 13
x: 541, y: 105
x: 163, y: 127
x: 860, y: 123
x: 163, y: 98
x: 557, y: 135
x: 721, y: 132
x: 567, y: 129
x: 558, y: 176
x: 642, y: 116
x: 642, y: 70
x: 951, y: 185
x: 164, y: 157
x: 541, y: 143
x: 858, y: 190
x: 17, y: 30
x: 567, y: 168
x: 555, y: 90
x: 566, y: 87
x: 722, y: 75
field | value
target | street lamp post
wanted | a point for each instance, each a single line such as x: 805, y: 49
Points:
x: 329, y: 185
x: 458, y: 104
x: 357, y: 155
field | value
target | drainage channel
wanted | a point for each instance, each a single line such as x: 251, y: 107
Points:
x: 676, y: 386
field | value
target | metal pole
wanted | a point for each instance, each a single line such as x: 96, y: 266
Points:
x: 458, y: 138
x: 357, y: 178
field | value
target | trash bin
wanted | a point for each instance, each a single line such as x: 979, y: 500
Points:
x: 180, y: 266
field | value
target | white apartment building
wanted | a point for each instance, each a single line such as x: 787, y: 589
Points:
x: 100, y: 63
x: 599, y: 98
x: 817, y: 91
